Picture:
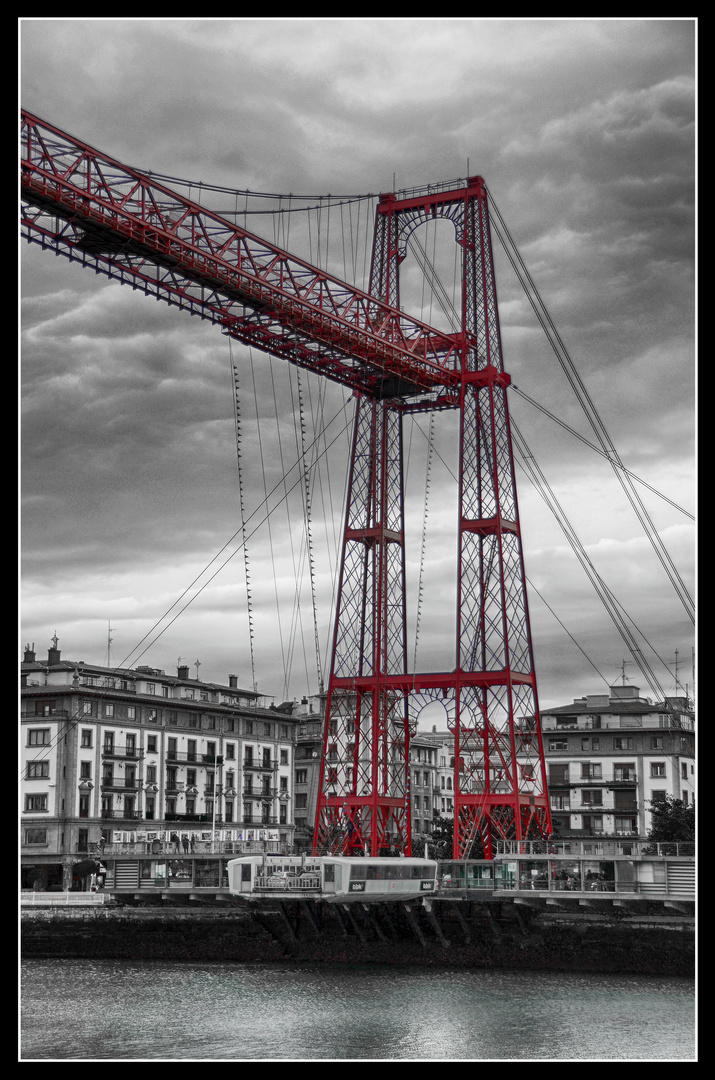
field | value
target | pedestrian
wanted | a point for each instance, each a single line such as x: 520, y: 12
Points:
x: 185, y: 843
x: 175, y: 841
x: 191, y: 843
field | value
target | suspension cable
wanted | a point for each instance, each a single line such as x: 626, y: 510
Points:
x: 589, y: 409
x: 246, y: 563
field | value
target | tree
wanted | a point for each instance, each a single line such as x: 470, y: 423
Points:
x: 672, y: 819
x: 439, y: 843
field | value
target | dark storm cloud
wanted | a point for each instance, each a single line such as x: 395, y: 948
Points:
x: 584, y: 132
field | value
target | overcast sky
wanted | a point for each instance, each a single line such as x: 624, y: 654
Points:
x: 585, y: 133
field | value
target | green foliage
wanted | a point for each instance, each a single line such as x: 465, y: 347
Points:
x: 439, y: 844
x: 672, y: 819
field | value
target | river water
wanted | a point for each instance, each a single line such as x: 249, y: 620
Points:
x: 111, y: 1010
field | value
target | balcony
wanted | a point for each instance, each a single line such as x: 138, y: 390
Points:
x: 122, y: 753
x: 191, y: 757
x: 108, y: 783
x: 260, y: 766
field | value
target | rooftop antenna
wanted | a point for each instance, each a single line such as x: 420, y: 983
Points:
x: 109, y: 643
x: 623, y: 670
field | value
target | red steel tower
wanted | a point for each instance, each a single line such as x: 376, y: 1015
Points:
x: 490, y: 695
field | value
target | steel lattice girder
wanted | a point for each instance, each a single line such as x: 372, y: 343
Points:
x: 363, y: 799
x: 122, y: 223
x: 499, y: 773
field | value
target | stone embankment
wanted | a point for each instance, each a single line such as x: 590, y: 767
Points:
x: 464, y: 935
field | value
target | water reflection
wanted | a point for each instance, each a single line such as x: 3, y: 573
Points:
x: 119, y: 1010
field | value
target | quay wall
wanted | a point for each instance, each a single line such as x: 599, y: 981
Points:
x: 474, y: 935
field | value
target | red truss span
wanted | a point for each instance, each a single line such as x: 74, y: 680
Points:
x: 120, y: 222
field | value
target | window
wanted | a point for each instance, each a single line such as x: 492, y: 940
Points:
x: 151, y: 744
x: 591, y: 770
x: 657, y: 768
x: 230, y: 751
x: 44, y: 708
x: 38, y: 770
x: 558, y: 774
x: 35, y: 836
x: 558, y: 744
x: 301, y: 802
x: 38, y: 737
x: 248, y: 727
x: 658, y: 795
x: 85, y: 770
x: 625, y: 771
x: 284, y: 757
x: 592, y: 798
x: 623, y: 742
x: 268, y: 730
x: 86, y: 708
x: 150, y: 688
x: 109, y: 708
x: 35, y: 803
x: 151, y: 774
x: 684, y: 771
x: 131, y: 745
x: 131, y: 712
x: 301, y: 776
x: 86, y: 738
x: 624, y: 800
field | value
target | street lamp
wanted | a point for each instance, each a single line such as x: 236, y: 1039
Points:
x: 217, y: 795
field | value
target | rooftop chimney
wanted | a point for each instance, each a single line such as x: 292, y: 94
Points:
x: 30, y: 654
x: 233, y: 682
x: 183, y: 671
x: 53, y: 654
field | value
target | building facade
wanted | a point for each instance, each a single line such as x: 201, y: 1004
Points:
x: 139, y: 756
x: 609, y: 756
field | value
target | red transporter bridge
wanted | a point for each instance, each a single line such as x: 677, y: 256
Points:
x: 121, y: 222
